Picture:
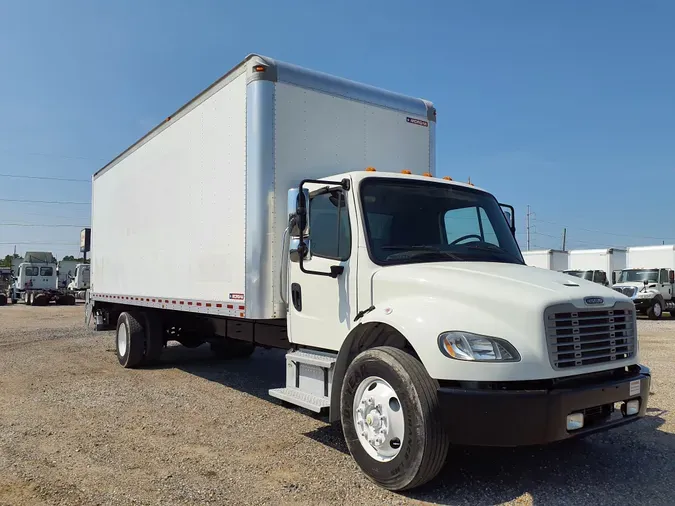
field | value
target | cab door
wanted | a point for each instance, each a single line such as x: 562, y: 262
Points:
x: 321, y: 308
x: 665, y: 288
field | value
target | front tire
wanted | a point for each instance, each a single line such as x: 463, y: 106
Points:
x: 655, y: 311
x: 391, y: 419
x: 129, y: 340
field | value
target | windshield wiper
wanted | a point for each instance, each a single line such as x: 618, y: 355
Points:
x: 487, y: 246
x: 420, y: 249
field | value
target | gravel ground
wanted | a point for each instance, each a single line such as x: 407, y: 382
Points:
x: 76, y: 428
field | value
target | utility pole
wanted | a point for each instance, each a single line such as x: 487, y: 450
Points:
x: 527, y: 227
x: 564, y: 238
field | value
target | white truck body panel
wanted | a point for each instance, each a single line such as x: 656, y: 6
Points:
x: 554, y: 260
x: 608, y: 260
x: 211, y: 184
x: 66, y: 271
x: 651, y: 257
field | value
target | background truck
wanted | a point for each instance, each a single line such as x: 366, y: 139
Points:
x: 80, y: 280
x: 649, y: 280
x: 288, y: 208
x: 36, y: 281
x: 6, y: 278
x: 597, y: 265
x: 551, y: 259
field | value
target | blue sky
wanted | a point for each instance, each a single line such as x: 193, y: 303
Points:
x: 566, y: 106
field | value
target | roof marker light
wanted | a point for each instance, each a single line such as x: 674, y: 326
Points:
x: 427, y: 174
x: 447, y: 178
x: 370, y: 169
x: 406, y: 171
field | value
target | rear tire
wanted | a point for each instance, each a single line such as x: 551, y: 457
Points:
x: 129, y: 340
x: 417, y: 456
x: 40, y: 299
x: 154, y: 338
x: 655, y: 311
x: 67, y: 300
x: 3, y: 299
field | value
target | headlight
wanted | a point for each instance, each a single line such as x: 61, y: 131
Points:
x: 474, y: 347
x: 645, y: 295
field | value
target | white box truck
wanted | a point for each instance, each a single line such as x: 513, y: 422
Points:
x: 551, y: 259
x: 288, y: 208
x: 597, y: 265
x: 649, y: 280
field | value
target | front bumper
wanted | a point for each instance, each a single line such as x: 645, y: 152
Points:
x: 643, y: 304
x: 519, y: 417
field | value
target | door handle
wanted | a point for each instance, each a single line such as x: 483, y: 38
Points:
x: 296, y: 296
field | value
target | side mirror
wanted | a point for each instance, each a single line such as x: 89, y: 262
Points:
x: 509, y: 214
x: 298, y: 221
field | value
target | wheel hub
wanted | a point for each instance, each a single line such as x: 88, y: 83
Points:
x: 378, y: 419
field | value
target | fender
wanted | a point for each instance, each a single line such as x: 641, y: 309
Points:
x: 419, y: 321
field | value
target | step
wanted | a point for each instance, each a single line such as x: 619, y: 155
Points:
x: 312, y: 358
x: 300, y: 398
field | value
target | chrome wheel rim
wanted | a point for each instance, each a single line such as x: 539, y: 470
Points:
x: 122, y: 339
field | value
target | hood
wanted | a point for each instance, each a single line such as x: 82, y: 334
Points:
x: 510, y: 284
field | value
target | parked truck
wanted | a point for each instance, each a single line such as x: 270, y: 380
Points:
x: 36, y: 281
x: 597, y: 265
x: 6, y: 278
x: 79, y: 281
x: 649, y: 280
x: 288, y: 208
x: 551, y: 259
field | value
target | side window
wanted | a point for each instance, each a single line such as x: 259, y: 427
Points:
x: 469, y: 221
x: 329, y: 230
x: 46, y: 271
x: 31, y: 271
x: 664, y: 276
x: 600, y: 277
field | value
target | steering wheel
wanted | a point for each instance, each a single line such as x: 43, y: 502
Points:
x: 468, y: 236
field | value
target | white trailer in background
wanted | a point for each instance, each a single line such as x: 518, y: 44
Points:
x: 288, y: 208
x: 551, y: 259
x: 649, y: 279
x: 597, y: 265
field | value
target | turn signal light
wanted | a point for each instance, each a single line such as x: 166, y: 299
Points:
x: 259, y: 68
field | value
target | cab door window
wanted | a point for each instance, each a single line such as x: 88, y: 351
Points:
x: 329, y: 228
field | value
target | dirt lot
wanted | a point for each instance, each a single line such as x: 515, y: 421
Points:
x: 76, y: 428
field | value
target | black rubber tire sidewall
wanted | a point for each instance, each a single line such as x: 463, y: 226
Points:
x: 407, y: 462
x: 3, y: 299
x: 154, y: 338
x: 135, y: 341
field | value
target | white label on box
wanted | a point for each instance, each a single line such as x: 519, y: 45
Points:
x: 634, y: 388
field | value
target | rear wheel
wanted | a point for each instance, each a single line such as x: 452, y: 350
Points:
x: 67, y: 300
x: 154, y: 338
x: 40, y: 299
x: 130, y: 340
x: 391, y: 419
x: 3, y: 299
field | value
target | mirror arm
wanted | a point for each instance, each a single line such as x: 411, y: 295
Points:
x: 335, y: 270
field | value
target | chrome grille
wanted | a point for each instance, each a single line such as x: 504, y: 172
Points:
x: 628, y: 291
x: 580, y: 337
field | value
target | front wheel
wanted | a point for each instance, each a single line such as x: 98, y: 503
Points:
x: 655, y: 312
x: 391, y: 419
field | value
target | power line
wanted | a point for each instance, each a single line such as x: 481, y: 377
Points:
x: 52, y: 155
x: 40, y: 225
x: 46, y: 202
x: 46, y: 178
x: 605, y: 233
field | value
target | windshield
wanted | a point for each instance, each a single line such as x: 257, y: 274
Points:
x: 638, y: 276
x: 419, y: 221
x: 581, y: 274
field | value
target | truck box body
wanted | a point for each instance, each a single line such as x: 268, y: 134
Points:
x: 554, y: 260
x: 608, y: 260
x: 651, y: 257
x: 191, y: 217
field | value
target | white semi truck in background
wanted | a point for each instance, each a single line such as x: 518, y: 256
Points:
x: 649, y: 280
x: 80, y: 280
x: 36, y: 281
x: 597, y: 265
x: 551, y: 259
x: 288, y: 208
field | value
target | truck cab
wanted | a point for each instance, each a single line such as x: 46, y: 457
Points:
x: 596, y: 276
x: 80, y: 280
x: 650, y: 289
